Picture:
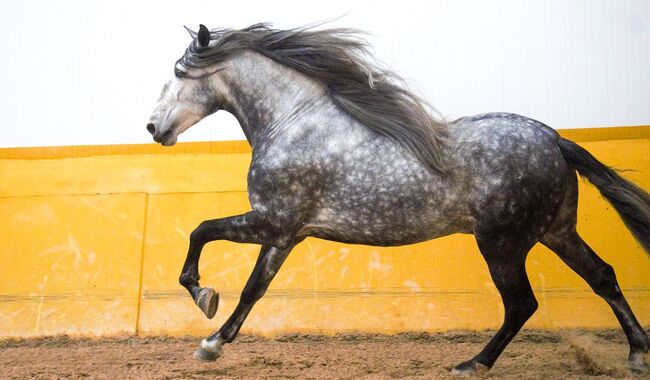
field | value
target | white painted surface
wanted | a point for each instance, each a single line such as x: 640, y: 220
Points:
x: 89, y: 72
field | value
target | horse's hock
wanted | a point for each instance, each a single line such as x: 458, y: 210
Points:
x: 94, y: 240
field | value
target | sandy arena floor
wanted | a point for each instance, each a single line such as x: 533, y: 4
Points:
x: 533, y: 355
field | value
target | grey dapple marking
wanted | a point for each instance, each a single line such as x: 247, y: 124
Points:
x: 342, y: 152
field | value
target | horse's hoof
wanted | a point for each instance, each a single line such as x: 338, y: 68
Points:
x: 637, y: 368
x: 636, y: 364
x: 209, y: 350
x: 205, y: 355
x: 469, y: 368
x: 208, y: 302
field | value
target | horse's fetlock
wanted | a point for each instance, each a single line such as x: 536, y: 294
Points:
x: 645, y: 342
x: 186, y: 279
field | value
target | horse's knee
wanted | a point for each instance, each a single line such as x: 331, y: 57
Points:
x: 199, y: 235
x: 252, y: 295
x: 253, y: 291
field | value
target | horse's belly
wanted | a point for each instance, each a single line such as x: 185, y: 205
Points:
x: 403, y: 224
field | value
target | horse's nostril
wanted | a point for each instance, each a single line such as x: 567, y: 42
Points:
x: 151, y: 128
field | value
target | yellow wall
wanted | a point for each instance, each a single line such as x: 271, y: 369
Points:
x: 93, y: 240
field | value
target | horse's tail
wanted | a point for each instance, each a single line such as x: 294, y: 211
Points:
x: 631, y: 202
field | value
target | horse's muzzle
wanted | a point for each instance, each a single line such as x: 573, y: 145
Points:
x: 158, y: 137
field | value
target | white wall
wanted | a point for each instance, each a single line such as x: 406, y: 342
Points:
x: 89, y: 72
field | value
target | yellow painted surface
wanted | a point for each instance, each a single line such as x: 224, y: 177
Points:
x: 70, y: 264
x: 78, y: 151
x: 152, y: 174
x: 70, y: 259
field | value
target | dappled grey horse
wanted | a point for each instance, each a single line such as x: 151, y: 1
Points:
x: 343, y: 151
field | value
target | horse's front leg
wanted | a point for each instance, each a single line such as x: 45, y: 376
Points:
x: 246, y: 228
x: 268, y: 264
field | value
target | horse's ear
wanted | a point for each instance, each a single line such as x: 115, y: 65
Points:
x: 203, y: 36
x: 190, y: 31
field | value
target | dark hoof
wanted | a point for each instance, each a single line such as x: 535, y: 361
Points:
x: 638, y: 368
x: 205, y: 355
x: 208, y: 302
x: 636, y: 364
x: 469, y: 368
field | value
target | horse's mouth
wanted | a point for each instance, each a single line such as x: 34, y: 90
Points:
x: 169, y: 141
x: 166, y: 139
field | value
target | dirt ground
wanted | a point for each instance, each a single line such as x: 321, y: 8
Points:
x: 532, y: 355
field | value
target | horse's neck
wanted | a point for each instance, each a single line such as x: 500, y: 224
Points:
x: 263, y: 94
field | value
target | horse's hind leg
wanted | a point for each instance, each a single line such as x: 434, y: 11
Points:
x: 567, y: 244
x: 506, y: 257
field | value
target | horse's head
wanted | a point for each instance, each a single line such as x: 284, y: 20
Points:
x: 187, y: 98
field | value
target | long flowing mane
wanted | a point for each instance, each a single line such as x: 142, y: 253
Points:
x: 339, y: 58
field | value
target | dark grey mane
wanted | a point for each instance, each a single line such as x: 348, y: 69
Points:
x: 340, y: 59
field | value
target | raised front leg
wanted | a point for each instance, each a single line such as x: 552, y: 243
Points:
x: 246, y: 228
x: 268, y: 264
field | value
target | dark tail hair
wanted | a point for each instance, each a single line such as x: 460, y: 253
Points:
x: 631, y: 202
